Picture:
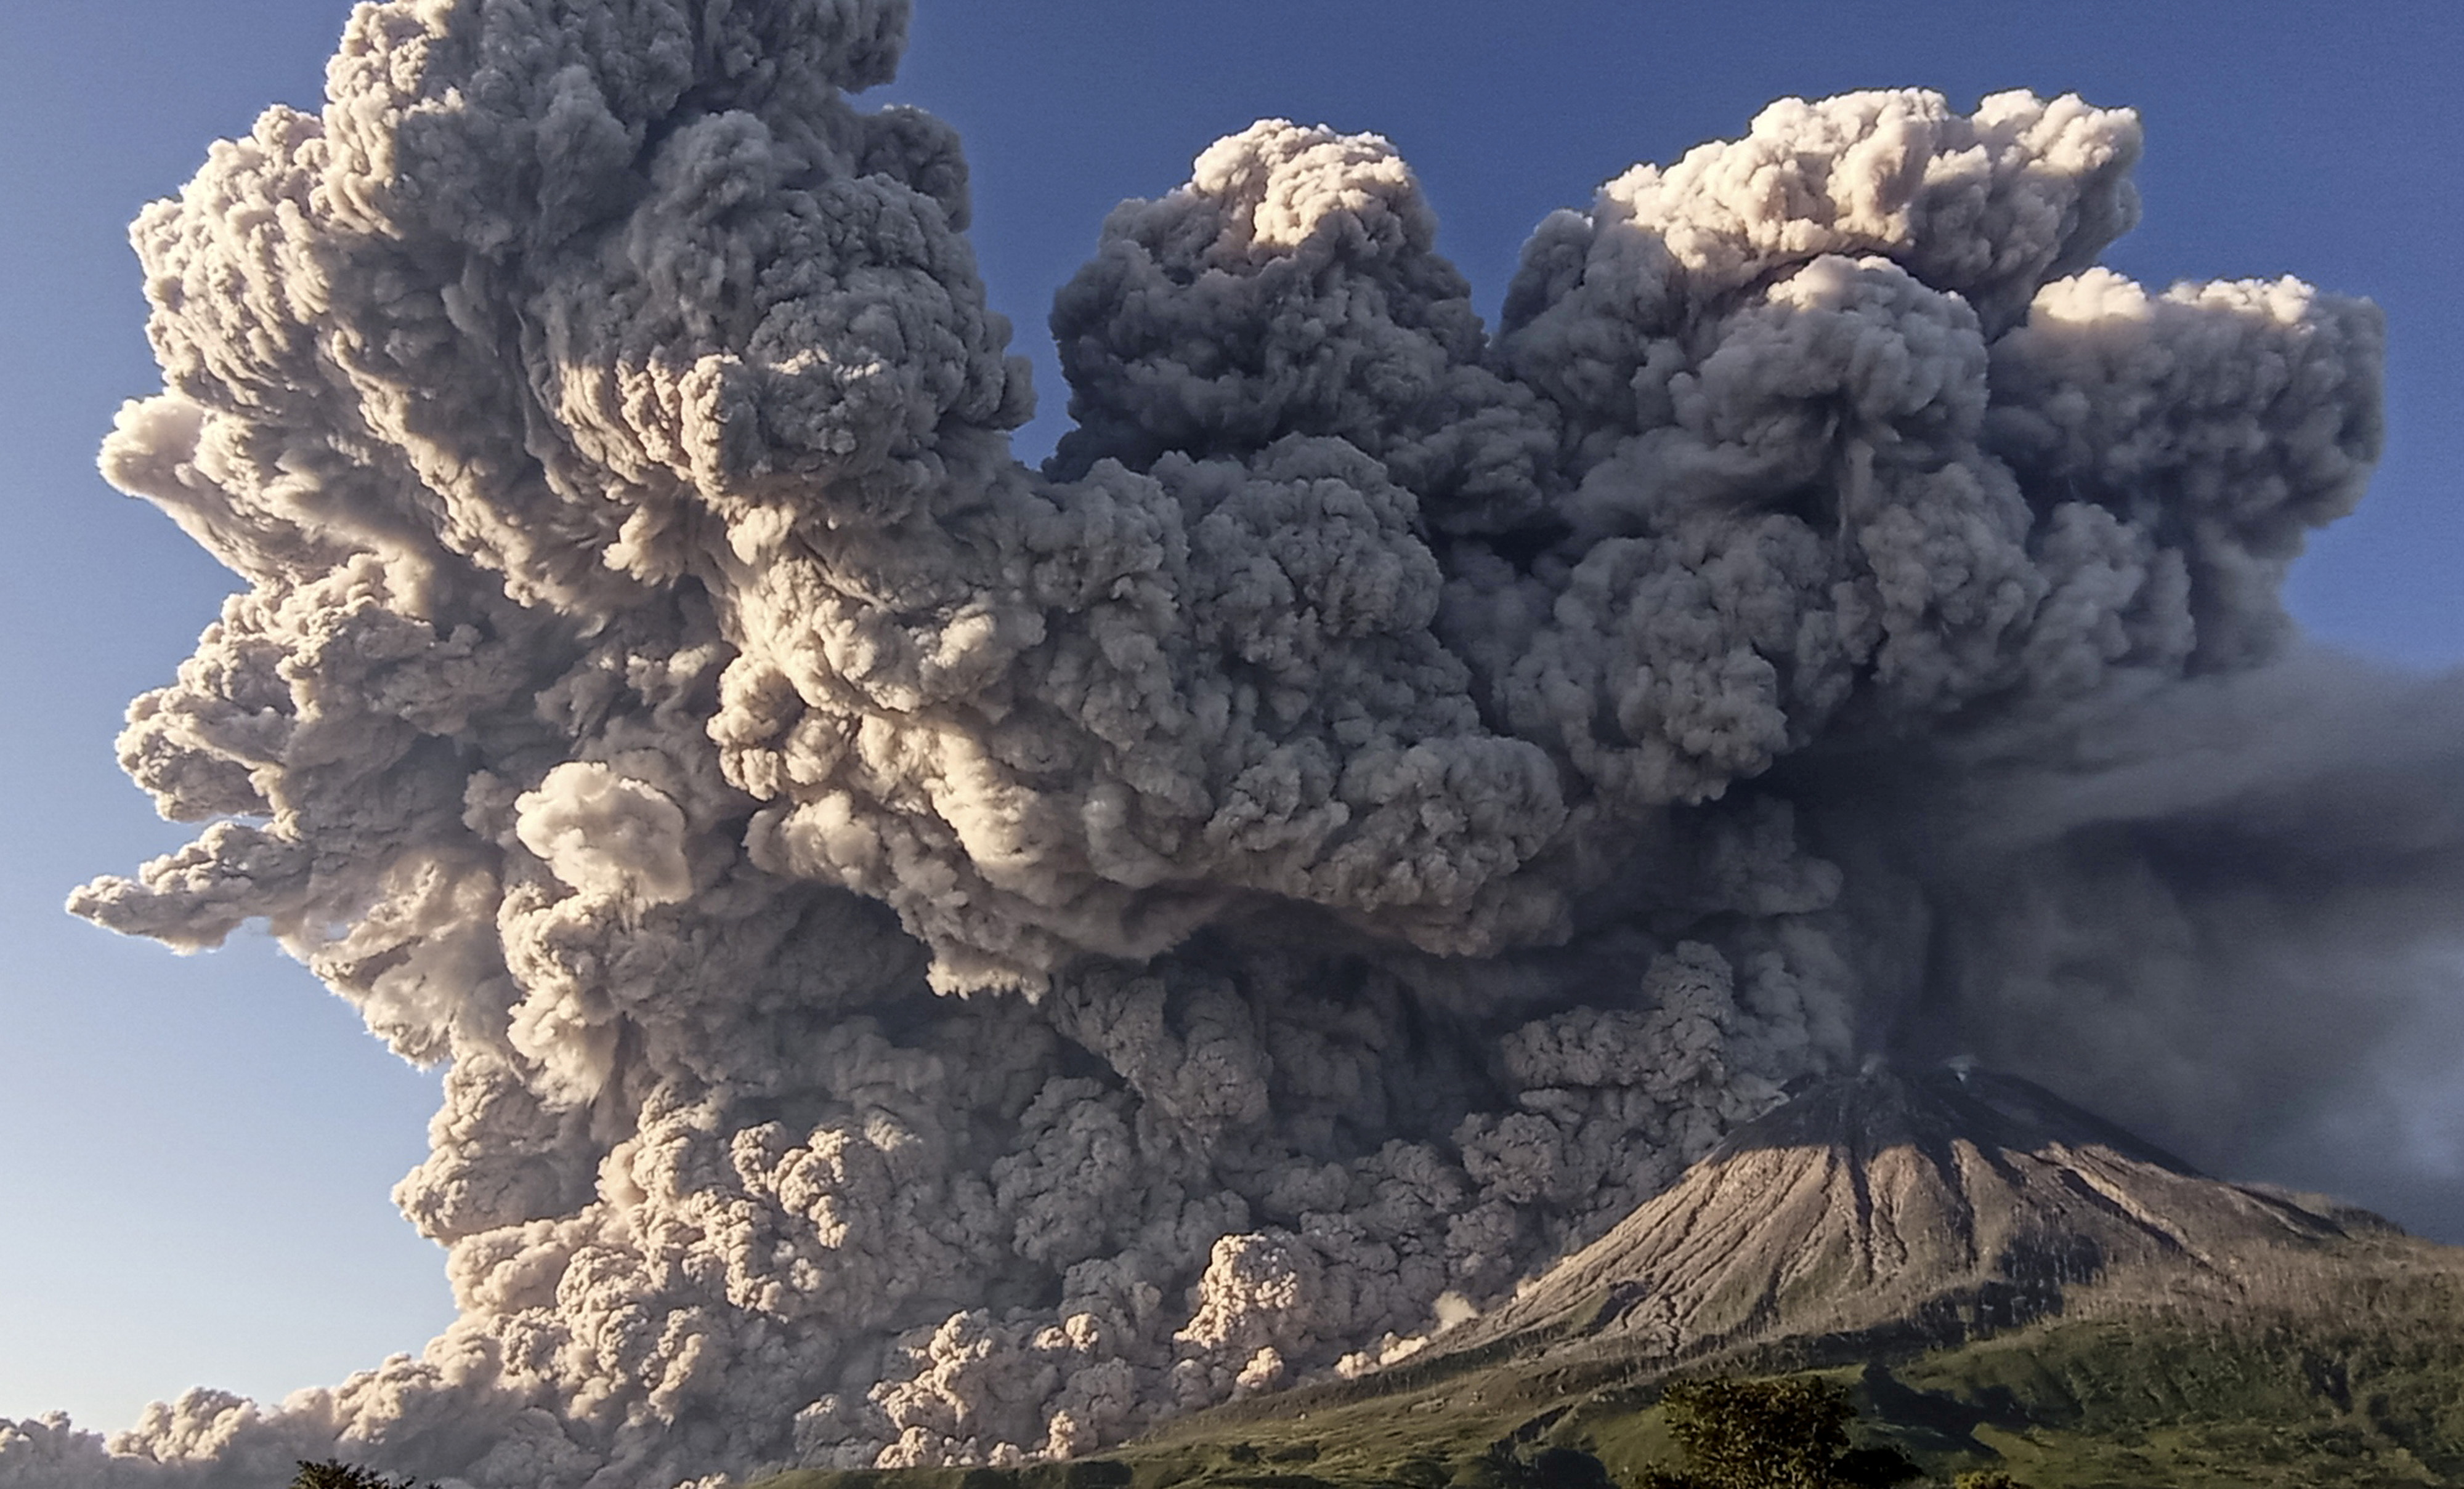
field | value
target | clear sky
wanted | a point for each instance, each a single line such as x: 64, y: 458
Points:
x: 195, y: 1153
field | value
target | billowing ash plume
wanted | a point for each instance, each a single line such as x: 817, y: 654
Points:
x: 938, y: 961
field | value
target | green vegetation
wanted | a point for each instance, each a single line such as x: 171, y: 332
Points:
x: 1787, y: 1434
x: 344, y: 1476
x: 2069, y: 1407
x: 2353, y: 1380
x: 1735, y: 1434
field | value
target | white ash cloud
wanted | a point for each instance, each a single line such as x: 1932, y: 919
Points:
x: 939, y: 962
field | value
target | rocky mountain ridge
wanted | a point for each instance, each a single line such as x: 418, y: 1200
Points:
x: 1948, y: 1201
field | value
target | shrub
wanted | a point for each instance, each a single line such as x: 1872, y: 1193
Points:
x: 1789, y: 1434
x: 332, y: 1474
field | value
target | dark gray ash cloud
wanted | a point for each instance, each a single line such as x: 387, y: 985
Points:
x: 939, y: 961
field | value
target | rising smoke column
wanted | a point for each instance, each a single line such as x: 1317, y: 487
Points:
x: 938, y: 961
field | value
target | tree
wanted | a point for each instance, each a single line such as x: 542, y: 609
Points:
x: 1789, y: 1434
x: 332, y: 1474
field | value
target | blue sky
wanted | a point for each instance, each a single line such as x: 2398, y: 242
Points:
x: 195, y: 1153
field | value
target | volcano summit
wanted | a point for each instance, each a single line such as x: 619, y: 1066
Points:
x: 1929, y: 1206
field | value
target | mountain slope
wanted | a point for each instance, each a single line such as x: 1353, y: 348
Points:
x: 1944, y: 1201
x: 2006, y: 1281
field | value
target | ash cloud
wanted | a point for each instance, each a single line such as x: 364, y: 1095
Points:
x: 939, y: 961
x: 2225, y: 912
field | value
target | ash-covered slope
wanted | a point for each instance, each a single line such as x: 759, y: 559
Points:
x: 1940, y: 1202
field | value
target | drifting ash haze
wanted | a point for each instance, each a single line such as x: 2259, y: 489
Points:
x: 938, y: 960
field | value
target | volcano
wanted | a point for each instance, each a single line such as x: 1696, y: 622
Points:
x: 1937, y: 1203
x: 2004, y: 1279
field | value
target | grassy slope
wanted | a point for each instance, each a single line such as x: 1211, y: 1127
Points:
x: 2350, y: 1374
